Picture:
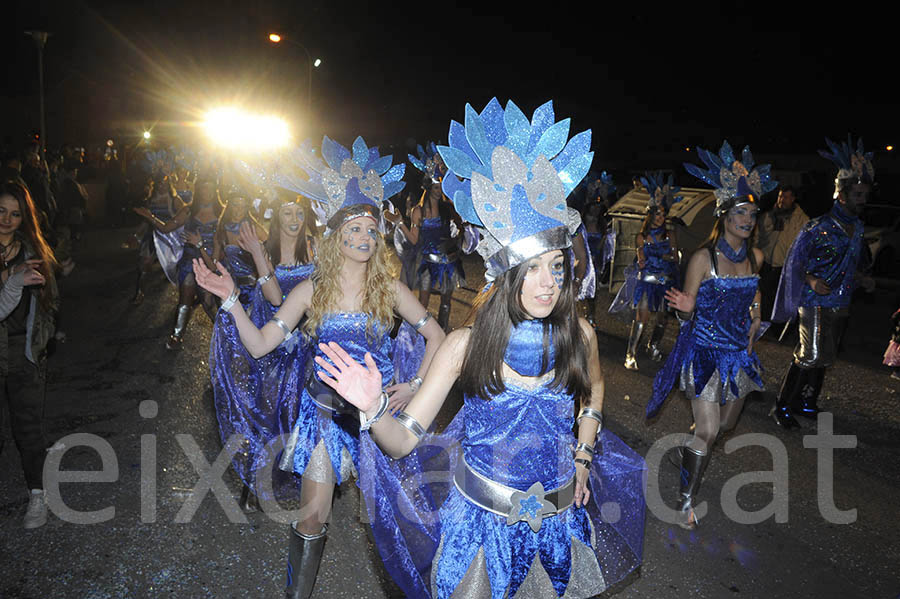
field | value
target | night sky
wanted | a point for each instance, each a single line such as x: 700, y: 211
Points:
x: 645, y: 78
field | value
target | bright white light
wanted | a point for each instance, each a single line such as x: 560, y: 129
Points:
x: 240, y: 130
x: 317, y: 62
x: 146, y: 135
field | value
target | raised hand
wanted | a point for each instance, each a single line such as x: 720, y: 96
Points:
x: 399, y: 396
x: 248, y: 239
x: 358, y: 384
x: 193, y: 238
x: 220, y: 285
x: 679, y: 300
x: 143, y: 211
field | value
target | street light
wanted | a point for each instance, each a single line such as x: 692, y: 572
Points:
x: 277, y: 38
x: 146, y: 135
x: 40, y: 38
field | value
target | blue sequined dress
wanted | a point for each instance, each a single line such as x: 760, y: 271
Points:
x: 710, y: 357
x: 435, y: 542
x: 258, y: 398
x: 658, y: 274
x: 207, y: 232
x: 320, y: 438
x: 440, y: 268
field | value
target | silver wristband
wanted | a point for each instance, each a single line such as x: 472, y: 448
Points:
x: 411, y: 424
x: 415, y: 383
x: 592, y: 414
x: 422, y: 322
x: 284, y: 328
x: 366, y: 423
x: 265, y: 279
x: 226, y: 305
x: 585, y: 448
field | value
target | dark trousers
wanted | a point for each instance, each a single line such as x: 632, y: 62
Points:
x: 769, y: 276
x: 22, y: 389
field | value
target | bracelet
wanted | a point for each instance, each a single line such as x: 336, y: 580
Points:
x: 366, y: 423
x: 584, y: 462
x: 754, y: 305
x: 226, y: 305
x: 585, y: 448
x: 415, y: 383
x: 592, y: 414
x: 264, y: 279
x: 285, y: 329
x: 411, y: 424
x: 422, y: 322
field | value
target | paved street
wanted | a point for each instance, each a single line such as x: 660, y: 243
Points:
x: 113, y: 378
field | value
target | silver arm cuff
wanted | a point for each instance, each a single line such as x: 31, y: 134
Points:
x: 422, y: 322
x: 590, y: 413
x: 366, y: 423
x: 287, y: 331
x: 232, y: 299
x: 585, y: 448
x: 410, y: 423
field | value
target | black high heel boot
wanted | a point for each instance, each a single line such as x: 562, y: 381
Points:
x: 809, y: 393
x: 304, y: 555
x: 248, y: 501
x: 790, y: 387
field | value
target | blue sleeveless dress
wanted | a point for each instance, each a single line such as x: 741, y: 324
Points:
x: 710, y: 358
x: 658, y: 274
x: 207, y: 232
x: 318, y: 429
x: 440, y: 268
x: 258, y: 399
x: 435, y: 542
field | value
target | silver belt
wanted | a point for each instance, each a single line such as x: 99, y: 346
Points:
x: 327, y: 398
x: 532, y: 505
x: 440, y: 258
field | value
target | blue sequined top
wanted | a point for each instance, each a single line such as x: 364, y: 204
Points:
x: 833, y: 256
x: 348, y: 329
x: 721, y: 316
x: 433, y: 234
x: 654, y: 253
x: 207, y: 232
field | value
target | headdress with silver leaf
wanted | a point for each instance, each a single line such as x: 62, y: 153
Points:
x: 159, y: 163
x: 514, y: 177
x: 733, y: 178
x: 344, y: 185
x: 662, y: 191
x: 429, y: 162
x: 853, y: 164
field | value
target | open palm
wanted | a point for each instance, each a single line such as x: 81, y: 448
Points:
x: 357, y: 383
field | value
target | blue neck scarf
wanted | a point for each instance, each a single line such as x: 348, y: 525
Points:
x: 841, y: 215
x: 526, y: 348
x: 735, y: 256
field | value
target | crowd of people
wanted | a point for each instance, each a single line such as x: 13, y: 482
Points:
x: 326, y: 365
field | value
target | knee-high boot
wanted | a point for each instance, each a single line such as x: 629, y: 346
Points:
x: 443, y: 318
x: 791, y: 386
x: 182, y: 315
x: 634, y: 339
x: 809, y: 393
x: 138, y: 287
x: 655, y: 337
x: 693, y: 465
x: 304, y: 555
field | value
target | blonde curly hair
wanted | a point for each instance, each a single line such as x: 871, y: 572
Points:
x: 379, y: 297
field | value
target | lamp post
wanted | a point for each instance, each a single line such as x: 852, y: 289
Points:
x: 277, y: 38
x: 40, y: 38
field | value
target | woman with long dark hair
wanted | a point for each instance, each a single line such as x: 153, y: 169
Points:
x: 713, y: 357
x: 264, y: 404
x: 351, y: 297
x: 520, y: 519
x: 27, y: 326
x: 200, y: 221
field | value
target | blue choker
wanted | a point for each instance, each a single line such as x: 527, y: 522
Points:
x: 735, y: 256
x: 526, y: 348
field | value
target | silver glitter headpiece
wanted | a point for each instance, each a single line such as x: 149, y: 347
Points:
x: 429, y: 162
x: 344, y: 185
x: 663, y: 192
x: 513, y: 179
x: 853, y: 164
x: 733, y: 178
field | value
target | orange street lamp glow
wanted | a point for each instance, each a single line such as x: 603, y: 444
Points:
x: 274, y: 38
x: 889, y: 148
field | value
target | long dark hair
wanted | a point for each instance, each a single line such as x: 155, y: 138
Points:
x: 195, y: 206
x: 718, y: 232
x: 648, y: 223
x: 30, y: 231
x: 496, y: 310
x: 273, y: 243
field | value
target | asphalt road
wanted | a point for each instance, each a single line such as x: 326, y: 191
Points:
x: 113, y: 378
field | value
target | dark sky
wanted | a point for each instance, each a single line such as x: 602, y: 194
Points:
x: 645, y: 78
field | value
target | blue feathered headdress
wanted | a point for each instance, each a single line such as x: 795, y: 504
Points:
x: 429, y: 162
x: 512, y: 177
x: 344, y: 185
x: 852, y: 164
x: 663, y: 192
x: 732, y: 178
